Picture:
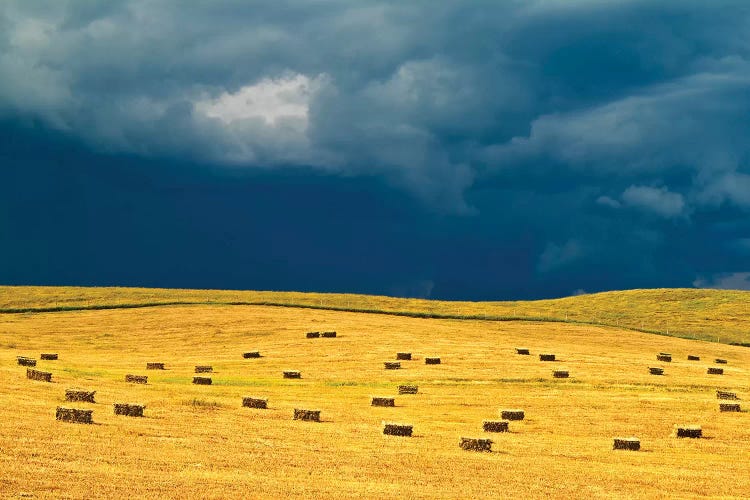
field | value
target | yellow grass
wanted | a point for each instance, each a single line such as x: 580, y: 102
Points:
x: 197, y: 441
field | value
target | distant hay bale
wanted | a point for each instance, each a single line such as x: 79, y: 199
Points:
x: 475, y: 444
x: 512, y: 414
x: 383, y: 401
x: 308, y: 415
x: 522, y: 350
x: 726, y: 395
x: 432, y: 361
x: 128, y: 409
x: 136, y: 379
x: 729, y: 407
x: 75, y: 415
x: 312, y: 335
x: 202, y: 380
x: 204, y: 369
x: 628, y: 443
x: 251, y: 354
x: 408, y: 389
x: 32, y: 374
x: 495, y: 426
x: 154, y: 366
x: 546, y: 357
x: 24, y: 361
x: 666, y: 358
x: 654, y: 370
x: 49, y: 356
x: 393, y: 429
x: 692, y: 357
x: 720, y: 361
x: 392, y: 365
x: 79, y: 395
x: 560, y: 373
x: 328, y: 335
x: 688, y: 431
x: 252, y: 402
x: 713, y: 370
x: 292, y: 374
x: 404, y: 356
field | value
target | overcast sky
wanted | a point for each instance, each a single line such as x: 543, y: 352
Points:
x: 507, y: 149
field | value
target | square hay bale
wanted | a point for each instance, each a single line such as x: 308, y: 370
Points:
x: 154, y: 366
x: 41, y: 376
x: 252, y: 402
x: 495, y: 426
x: 392, y: 365
x: 312, y: 335
x: 204, y: 369
x: 692, y: 357
x: 202, y: 380
x: 49, y: 356
x: 546, y: 357
x: 79, y: 395
x: 128, y: 409
x: 307, y: 415
x: 432, y: 361
x: 688, y: 431
x: 560, y: 373
x: 475, y: 444
x: 655, y: 370
x: 136, y: 379
x: 404, y: 356
x: 726, y: 395
x: 292, y: 374
x: 713, y: 370
x: 383, y: 401
x: 394, y: 429
x: 627, y: 443
x: 75, y: 415
x: 720, y: 361
x: 666, y: 358
x: 328, y: 335
x: 24, y: 361
x: 729, y: 407
x: 522, y: 351
x: 512, y: 414
x: 251, y: 354
x: 408, y: 389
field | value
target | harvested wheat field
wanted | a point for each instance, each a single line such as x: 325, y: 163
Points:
x: 198, y: 441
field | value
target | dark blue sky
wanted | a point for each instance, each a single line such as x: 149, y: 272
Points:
x: 458, y: 150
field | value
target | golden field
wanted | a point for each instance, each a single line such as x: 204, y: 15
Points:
x: 198, y: 442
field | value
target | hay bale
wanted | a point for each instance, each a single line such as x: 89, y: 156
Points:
x: 692, y: 357
x: 49, y: 356
x: 32, y: 374
x: 713, y: 370
x: 383, y: 401
x: 75, y: 415
x: 666, y: 358
x: 654, y: 370
x: 628, y: 443
x: 522, y: 351
x: 251, y: 354
x: 432, y: 361
x: 475, y: 444
x: 292, y: 374
x: 312, y: 335
x: 24, y: 361
x: 308, y: 415
x: 408, y: 389
x: 154, y: 366
x: 393, y: 429
x: 720, y: 361
x: 204, y: 369
x: 79, y: 395
x: 729, y: 407
x: 392, y: 365
x: 546, y: 357
x: 726, y: 395
x: 560, y: 373
x: 128, y: 409
x: 136, y: 379
x: 495, y: 426
x: 688, y: 431
x: 251, y: 402
x: 404, y: 356
x: 328, y: 335
x: 202, y: 380
x: 512, y: 414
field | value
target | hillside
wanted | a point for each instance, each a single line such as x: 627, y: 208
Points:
x: 714, y: 315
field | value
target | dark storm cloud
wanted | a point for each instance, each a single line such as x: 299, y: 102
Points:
x: 569, y: 144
